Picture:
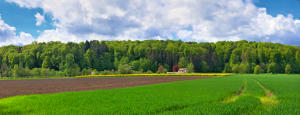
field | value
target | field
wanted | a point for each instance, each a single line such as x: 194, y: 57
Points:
x: 234, y: 94
x: 42, y: 86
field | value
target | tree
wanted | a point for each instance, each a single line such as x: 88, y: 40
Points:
x: 258, y: 70
x: 204, y: 67
x: 273, y: 68
x: 244, y: 68
x: 146, y: 65
x: 71, y: 68
x: 4, y: 70
x: 235, y: 68
x: 124, y: 60
x: 46, y: 62
x: 227, y: 68
x: 190, y: 68
x: 124, y: 69
x: 182, y: 62
x: 135, y: 65
x: 16, y: 71
x: 235, y: 56
x: 90, y: 57
x: 288, y: 69
x: 227, y: 56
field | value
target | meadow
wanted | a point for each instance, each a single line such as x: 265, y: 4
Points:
x: 233, y: 94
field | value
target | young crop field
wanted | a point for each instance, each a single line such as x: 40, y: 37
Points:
x: 233, y: 94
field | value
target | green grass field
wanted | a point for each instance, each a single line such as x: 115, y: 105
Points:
x: 235, y: 94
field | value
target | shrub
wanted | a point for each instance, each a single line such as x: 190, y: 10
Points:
x: 273, y: 68
x: 160, y: 69
x: 244, y: 68
x: 227, y: 68
x: 190, y: 68
x: 45, y: 72
x: 235, y: 68
x: 5, y: 71
x: 182, y: 62
x: 288, y: 69
x: 94, y: 72
x: 85, y: 72
x: 124, y: 69
x: 107, y: 72
x: 149, y: 72
x: 258, y: 70
x: 72, y: 70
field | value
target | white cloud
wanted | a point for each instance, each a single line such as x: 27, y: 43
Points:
x: 39, y: 19
x: 197, y: 20
x: 8, y: 35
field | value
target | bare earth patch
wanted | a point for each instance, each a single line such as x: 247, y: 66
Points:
x: 44, y: 86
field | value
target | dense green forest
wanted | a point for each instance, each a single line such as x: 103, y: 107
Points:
x: 109, y: 57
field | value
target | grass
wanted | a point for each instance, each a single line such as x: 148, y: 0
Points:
x: 203, y: 96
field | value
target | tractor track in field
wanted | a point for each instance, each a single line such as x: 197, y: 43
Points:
x: 228, y: 99
x: 269, y: 97
x: 10, y: 88
x: 234, y: 97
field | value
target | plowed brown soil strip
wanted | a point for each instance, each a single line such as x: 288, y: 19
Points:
x: 22, y: 87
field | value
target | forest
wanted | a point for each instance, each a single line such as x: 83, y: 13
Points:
x: 149, y: 56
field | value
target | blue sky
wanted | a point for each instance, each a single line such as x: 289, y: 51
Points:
x: 24, y: 21
x: 23, y: 18
x: 285, y: 7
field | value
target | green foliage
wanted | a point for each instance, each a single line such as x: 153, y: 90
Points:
x: 190, y: 68
x: 204, y: 67
x: 183, y: 63
x: 227, y: 68
x: 135, y: 65
x: 235, y: 68
x: 241, y: 68
x: 226, y: 56
x: 124, y: 60
x: 244, y: 68
x: 288, y: 69
x: 106, y: 72
x: 4, y: 70
x: 258, y: 70
x: 124, y: 69
x: 46, y: 62
x: 72, y: 70
x: 147, y: 65
x: 17, y: 71
x: 273, y: 68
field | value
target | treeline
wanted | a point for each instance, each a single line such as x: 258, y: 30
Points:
x: 108, y: 57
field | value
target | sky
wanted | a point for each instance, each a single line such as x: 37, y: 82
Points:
x: 25, y: 21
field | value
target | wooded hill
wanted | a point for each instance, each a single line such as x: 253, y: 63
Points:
x: 69, y: 59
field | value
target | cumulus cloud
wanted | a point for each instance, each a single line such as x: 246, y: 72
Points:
x: 8, y: 35
x: 39, y: 19
x: 189, y: 20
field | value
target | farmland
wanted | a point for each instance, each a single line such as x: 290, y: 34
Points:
x: 234, y: 94
x: 42, y: 86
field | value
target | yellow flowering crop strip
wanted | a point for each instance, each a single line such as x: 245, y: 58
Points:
x: 172, y: 74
